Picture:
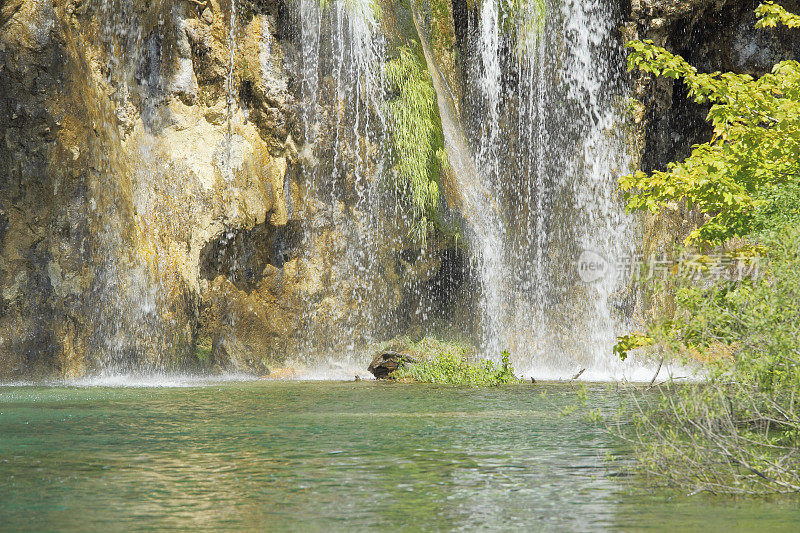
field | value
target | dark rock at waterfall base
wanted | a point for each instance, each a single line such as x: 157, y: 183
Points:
x: 387, y: 362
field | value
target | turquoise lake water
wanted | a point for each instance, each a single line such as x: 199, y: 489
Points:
x: 310, y: 456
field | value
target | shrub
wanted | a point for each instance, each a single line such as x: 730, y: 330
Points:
x: 737, y: 430
x: 755, y: 147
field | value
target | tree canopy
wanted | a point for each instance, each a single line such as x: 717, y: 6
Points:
x: 754, y: 150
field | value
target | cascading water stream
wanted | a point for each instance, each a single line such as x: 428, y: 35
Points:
x: 140, y: 327
x: 478, y: 193
x: 548, y: 137
x: 126, y: 300
x: 534, y: 144
x: 491, y: 241
x: 342, y: 104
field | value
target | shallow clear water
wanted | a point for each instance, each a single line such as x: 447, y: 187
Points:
x: 329, y: 455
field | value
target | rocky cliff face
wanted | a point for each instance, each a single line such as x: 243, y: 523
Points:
x: 156, y: 209
x: 123, y: 158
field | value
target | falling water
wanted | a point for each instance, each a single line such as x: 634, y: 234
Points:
x: 548, y: 136
x: 125, y: 300
x: 479, y: 200
x: 139, y: 301
x: 535, y: 145
x: 345, y: 132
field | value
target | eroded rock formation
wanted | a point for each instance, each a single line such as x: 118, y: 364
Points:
x: 156, y: 210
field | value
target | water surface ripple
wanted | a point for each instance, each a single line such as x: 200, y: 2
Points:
x: 311, y: 456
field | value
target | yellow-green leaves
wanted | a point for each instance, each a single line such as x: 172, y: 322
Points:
x: 755, y: 142
x: 454, y: 369
x: 771, y: 15
x: 626, y: 343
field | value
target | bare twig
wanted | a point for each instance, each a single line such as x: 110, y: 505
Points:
x: 657, y: 371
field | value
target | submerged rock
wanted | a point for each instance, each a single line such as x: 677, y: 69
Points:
x: 387, y: 362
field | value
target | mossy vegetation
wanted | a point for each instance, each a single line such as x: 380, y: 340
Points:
x: 417, y: 138
x: 524, y: 22
x: 428, y: 346
x: 455, y: 369
x: 440, y: 32
x: 452, y: 362
x: 203, y: 350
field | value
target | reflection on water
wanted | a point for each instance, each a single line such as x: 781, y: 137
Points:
x: 325, y: 455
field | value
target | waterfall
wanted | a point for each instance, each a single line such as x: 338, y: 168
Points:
x: 143, y: 296
x: 548, y: 129
x: 126, y: 297
x: 535, y: 144
x: 240, y: 186
x: 342, y: 94
x: 535, y: 162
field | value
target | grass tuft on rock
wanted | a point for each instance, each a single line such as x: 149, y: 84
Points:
x: 455, y: 369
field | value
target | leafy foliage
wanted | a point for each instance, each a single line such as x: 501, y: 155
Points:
x: 417, y: 136
x: 626, y: 343
x: 754, y: 149
x: 454, y: 369
x: 727, y: 318
x: 771, y: 15
x: 738, y: 431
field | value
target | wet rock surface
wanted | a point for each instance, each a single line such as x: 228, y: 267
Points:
x: 387, y: 362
